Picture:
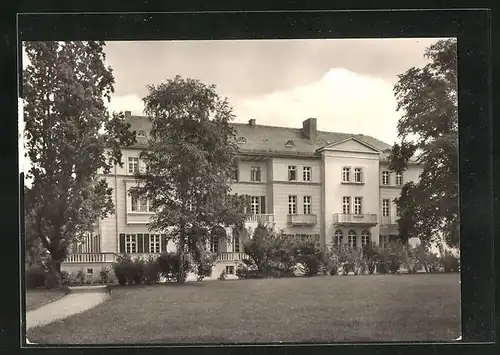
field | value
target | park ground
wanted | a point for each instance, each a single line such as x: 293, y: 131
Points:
x: 422, y: 307
x: 40, y: 297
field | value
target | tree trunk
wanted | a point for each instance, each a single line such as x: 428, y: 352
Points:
x: 180, y: 278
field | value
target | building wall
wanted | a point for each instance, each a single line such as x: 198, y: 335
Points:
x: 281, y: 191
x: 325, y: 189
x: 280, y: 169
x: 245, y: 167
x: 335, y: 190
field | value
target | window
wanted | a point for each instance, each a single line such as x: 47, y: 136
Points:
x: 292, y: 204
x: 255, y: 205
x: 398, y: 211
x: 351, y: 238
x: 358, y: 205
x: 90, y: 272
x: 346, y: 174
x: 337, y: 241
x: 154, y: 243
x: 214, y: 245
x: 140, y: 204
x: 385, y: 178
x: 255, y: 173
x: 289, y: 144
x: 384, y: 241
x: 130, y: 243
x: 133, y: 165
x: 399, y: 179
x: 365, y: 237
x: 230, y: 270
x: 242, y: 140
x: 306, y: 173
x: 141, y: 134
x: 346, y: 205
x: 307, y: 204
x: 385, y: 207
x: 236, y: 244
x: 234, y: 174
x: 292, y: 173
x: 358, y: 175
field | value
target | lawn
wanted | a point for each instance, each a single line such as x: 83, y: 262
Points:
x: 421, y: 307
x: 36, y: 298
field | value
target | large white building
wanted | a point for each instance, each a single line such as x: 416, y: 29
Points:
x: 334, y: 186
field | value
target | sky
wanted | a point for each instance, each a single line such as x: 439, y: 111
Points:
x: 347, y: 84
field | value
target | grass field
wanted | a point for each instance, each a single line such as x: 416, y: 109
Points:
x: 35, y: 298
x: 320, y: 309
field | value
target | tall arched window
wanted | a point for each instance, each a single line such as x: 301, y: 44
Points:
x: 351, y: 238
x: 337, y: 239
x: 365, y: 237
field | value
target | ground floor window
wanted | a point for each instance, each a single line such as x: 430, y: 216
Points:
x: 230, y: 270
x: 154, y: 243
x: 365, y: 237
x: 337, y: 239
x: 384, y: 241
x: 351, y: 239
x: 236, y: 244
x: 130, y: 243
x: 143, y: 243
x: 214, y: 245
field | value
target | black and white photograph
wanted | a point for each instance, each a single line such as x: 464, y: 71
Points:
x: 240, y: 191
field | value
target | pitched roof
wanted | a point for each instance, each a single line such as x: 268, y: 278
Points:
x: 261, y: 138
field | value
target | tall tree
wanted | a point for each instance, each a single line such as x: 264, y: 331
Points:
x: 189, y: 159
x: 69, y: 137
x: 428, y: 131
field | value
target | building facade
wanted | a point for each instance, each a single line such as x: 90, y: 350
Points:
x: 336, y: 187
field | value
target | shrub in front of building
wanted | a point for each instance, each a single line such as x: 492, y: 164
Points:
x: 35, y: 277
x: 169, y: 265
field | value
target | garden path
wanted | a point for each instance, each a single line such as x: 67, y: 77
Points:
x: 78, y: 300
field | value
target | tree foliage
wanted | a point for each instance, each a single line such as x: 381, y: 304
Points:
x: 428, y: 131
x: 190, y: 155
x: 67, y: 131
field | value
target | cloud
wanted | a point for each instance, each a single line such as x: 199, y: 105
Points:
x: 132, y: 103
x: 341, y: 100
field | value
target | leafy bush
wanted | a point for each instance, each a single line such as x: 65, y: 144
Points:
x: 244, y: 271
x: 80, y: 277
x: 330, y: 263
x: 151, y: 270
x: 310, y: 255
x: 449, y: 262
x: 52, y: 280
x: 65, y: 277
x: 35, y: 277
x: 169, y: 263
x: 205, y: 264
x: 222, y: 276
x: 136, y: 272
x: 123, y: 269
x: 104, y: 275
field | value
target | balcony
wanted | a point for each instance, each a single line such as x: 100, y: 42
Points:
x: 228, y: 256
x: 79, y: 258
x: 302, y: 219
x: 260, y: 218
x: 355, y: 219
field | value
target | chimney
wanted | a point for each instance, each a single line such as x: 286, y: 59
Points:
x: 309, y: 127
x: 128, y: 114
x: 251, y: 122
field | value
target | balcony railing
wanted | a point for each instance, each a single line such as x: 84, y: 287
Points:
x: 302, y: 219
x: 91, y: 258
x: 262, y: 218
x: 354, y: 219
x: 388, y: 220
x: 227, y: 256
x: 87, y: 258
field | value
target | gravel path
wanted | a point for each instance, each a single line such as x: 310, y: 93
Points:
x: 77, y: 301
